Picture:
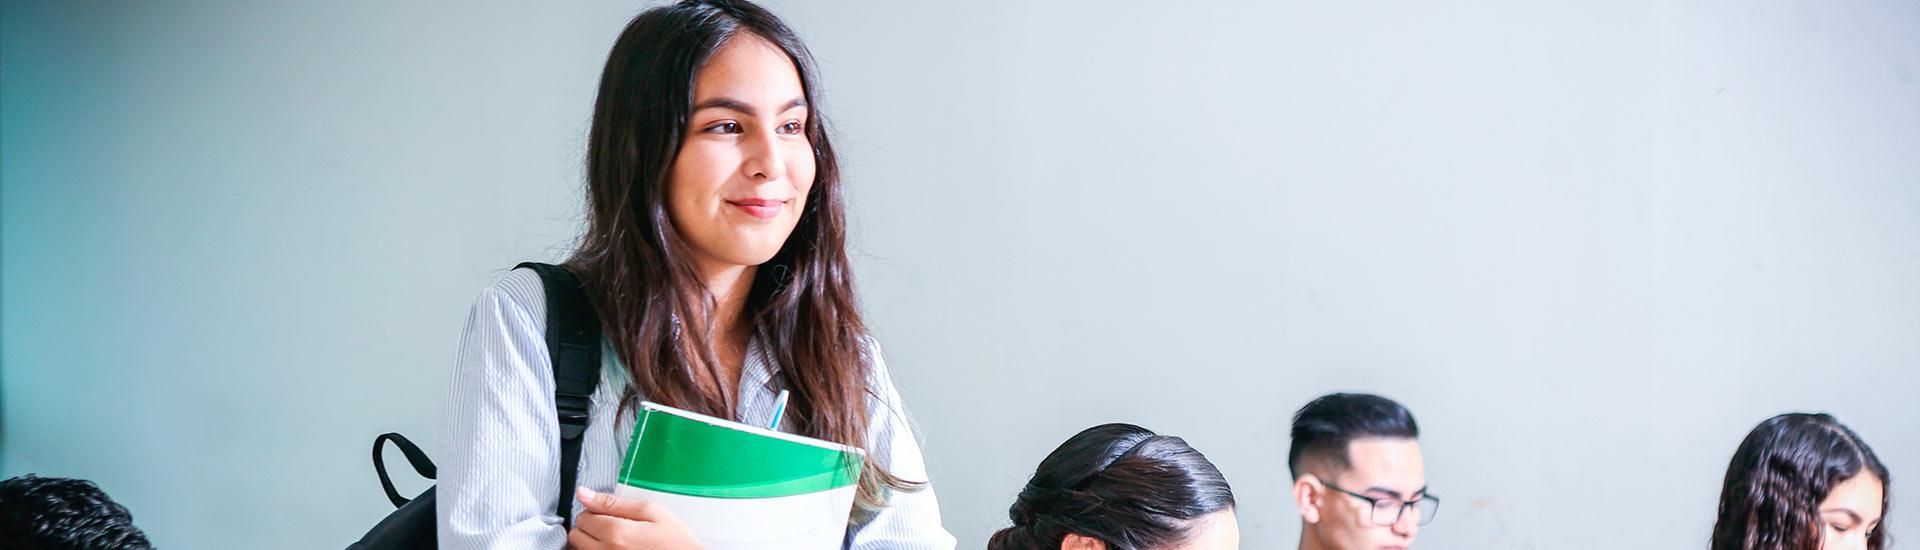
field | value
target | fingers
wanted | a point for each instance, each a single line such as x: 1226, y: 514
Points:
x: 599, y: 531
x: 610, y: 505
x: 602, y: 529
x: 608, y: 521
x: 580, y: 539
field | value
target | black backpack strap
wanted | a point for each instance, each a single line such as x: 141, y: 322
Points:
x: 421, y: 464
x: 573, y: 342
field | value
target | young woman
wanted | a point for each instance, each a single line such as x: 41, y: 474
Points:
x: 1122, y: 487
x: 715, y: 257
x: 1803, y: 482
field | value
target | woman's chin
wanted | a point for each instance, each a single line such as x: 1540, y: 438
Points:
x: 752, y: 258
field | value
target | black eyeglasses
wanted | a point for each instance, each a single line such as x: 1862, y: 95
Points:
x: 1387, y: 511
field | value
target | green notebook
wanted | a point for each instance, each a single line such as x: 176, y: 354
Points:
x: 741, y: 487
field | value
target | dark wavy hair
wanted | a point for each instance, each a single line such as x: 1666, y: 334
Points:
x: 1785, y: 467
x: 52, y: 512
x: 639, y: 270
x: 1119, y: 483
x: 1327, y: 424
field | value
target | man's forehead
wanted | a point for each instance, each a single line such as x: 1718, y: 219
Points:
x: 1393, y: 463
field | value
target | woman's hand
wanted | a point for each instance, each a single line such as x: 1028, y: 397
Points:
x: 611, y: 522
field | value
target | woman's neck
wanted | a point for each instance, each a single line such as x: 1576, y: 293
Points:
x: 730, y: 286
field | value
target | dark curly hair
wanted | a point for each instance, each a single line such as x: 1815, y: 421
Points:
x: 1119, y: 483
x: 52, y: 512
x: 1785, y: 467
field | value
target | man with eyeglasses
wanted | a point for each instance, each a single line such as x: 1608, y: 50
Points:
x: 1357, y: 474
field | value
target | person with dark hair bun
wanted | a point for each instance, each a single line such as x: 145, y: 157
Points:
x: 54, y: 512
x: 1803, y: 482
x: 1122, y: 487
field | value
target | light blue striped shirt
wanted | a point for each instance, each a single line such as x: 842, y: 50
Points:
x: 500, y: 443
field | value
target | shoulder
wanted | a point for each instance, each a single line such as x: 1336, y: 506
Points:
x: 506, y: 326
x: 517, y: 299
x: 521, y: 287
x: 879, y: 378
x: 884, y: 404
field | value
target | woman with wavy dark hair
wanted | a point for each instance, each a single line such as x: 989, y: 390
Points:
x: 715, y: 258
x: 1803, y: 482
x: 1122, y: 487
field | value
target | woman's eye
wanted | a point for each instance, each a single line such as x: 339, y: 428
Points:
x: 724, y: 128
x: 792, y: 127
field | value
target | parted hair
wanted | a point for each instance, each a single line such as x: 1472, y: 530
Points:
x: 1785, y: 467
x: 1120, y: 483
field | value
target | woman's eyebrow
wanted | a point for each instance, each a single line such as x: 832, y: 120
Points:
x: 1849, y: 511
x: 731, y: 104
x: 724, y: 102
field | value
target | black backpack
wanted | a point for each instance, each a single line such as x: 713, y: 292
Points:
x: 573, y: 343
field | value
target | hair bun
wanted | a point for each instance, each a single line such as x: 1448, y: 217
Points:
x: 1017, y: 537
x: 1117, y: 483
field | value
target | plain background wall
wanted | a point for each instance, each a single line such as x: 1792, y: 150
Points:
x: 1589, y: 244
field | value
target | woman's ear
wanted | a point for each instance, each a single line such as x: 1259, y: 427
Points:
x: 1306, y: 495
x: 1081, y: 542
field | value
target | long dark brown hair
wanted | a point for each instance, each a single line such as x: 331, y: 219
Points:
x: 1120, y: 483
x: 651, y: 299
x: 1784, y: 468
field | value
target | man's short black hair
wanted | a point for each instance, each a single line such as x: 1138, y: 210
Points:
x: 1327, y: 424
x: 52, y: 512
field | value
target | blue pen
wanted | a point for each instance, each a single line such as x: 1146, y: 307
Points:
x: 779, y: 408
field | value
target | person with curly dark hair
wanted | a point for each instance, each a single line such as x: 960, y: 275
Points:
x: 1803, y: 482
x: 1122, y: 487
x: 53, y: 512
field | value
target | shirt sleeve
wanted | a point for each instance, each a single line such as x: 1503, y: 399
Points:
x: 910, y: 520
x: 499, y: 440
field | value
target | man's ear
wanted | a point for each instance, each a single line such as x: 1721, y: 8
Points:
x: 1306, y: 495
x: 1081, y: 542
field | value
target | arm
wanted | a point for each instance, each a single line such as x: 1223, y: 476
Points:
x: 500, y: 441
x: 911, y: 520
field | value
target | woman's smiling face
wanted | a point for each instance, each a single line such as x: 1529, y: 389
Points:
x: 740, y: 180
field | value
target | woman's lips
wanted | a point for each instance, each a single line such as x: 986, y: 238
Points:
x: 764, y: 209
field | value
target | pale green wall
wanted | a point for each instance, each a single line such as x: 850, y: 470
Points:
x: 1590, y: 245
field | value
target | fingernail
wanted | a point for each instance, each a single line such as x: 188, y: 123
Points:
x: 583, y: 493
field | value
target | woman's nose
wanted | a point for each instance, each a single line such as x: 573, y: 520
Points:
x: 762, y: 159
